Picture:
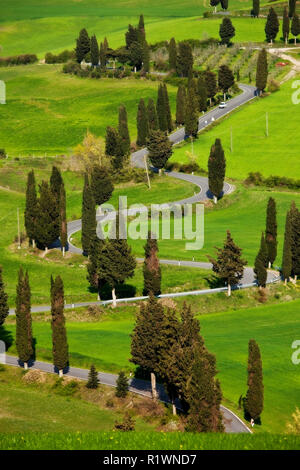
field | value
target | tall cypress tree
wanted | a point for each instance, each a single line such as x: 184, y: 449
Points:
x: 102, y: 56
x: 272, y: 26
x: 262, y: 70
x: 224, y: 4
x: 94, y: 270
x: 286, y: 267
x: 180, y: 105
x: 31, y: 208
x: 173, y: 55
x: 151, y: 268
x: 60, y: 348
x: 216, y: 169
x: 142, y: 124
x: 95, y: 54
x: 4, y: 310
x: 83, y: 45
x: 185, y: 60
x: 152, y: 116
x: 254, y: 402
x: 101, y: 184
x: 111, y: 141
x: 225, y: 79
x: 161, y: 109
x: 23, y: 319
x: 285, y: 25
x: 56, y: 182
x: 167, y: 108
x: 63, y: 219
x: 88, y: 218
x: 256, y: 8
x: 191, y: 111
x: 211, y: 84
x: 295, y: 27
x: 271, y: 231
x: 123, y: 130
x: 294, y: 216
x: 292, y: 8
x: 261, y: 263
x: 141, y: 28
x: 47, y: 222
x: 226, y: 31
x: 160, y: 149
x: 202, y: 94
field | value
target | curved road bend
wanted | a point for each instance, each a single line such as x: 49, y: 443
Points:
x: 232, y: 423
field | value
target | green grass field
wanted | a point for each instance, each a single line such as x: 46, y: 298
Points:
x: 252, y: 149
x: 274, y: 327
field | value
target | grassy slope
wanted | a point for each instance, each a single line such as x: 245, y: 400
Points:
x: 252, y: 150
x: 107, y: 344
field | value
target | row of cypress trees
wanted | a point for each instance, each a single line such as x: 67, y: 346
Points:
x: 45, y: 216
x: 272, y: 24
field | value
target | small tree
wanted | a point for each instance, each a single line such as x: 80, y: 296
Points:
x: 216, y: 169
x: 160, y: 149
x: 286, y: 268
x: 142, y: 124
x: 122, y: 385
x: 23, y: 319
x: 151, y: 268
x: 295, y: 27
x: 255, y: 8
x: 225, y: 79
x: 83, y: 45
x: 261, y: 263
x: 94, y: 51
x: 285, y: 25
x: 185, y: 59
x: 4, y: 309
x: 254, y: 402
x: 173, y: 55
x: 227, y: 31
x: 31, y: 208
x: 271, y: 231
x: 59, y: 334
x: 229, y: 265
x: 262, y: 70
x: 93, y: 380
x: 272, y: 26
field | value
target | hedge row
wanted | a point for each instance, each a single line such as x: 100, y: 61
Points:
x: 18, y: 60
x: 257, y: 179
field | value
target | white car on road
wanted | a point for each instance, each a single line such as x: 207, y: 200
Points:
x: 222, y: 105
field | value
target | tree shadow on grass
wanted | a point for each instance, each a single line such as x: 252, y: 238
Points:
x: 214, y: 282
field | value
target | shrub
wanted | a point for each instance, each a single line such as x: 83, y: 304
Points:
x: 128, y: 424
x: 273, y: 85
x: 256, y: 179
x: 72, y: 67
x: 23, y: 59
x: 122, y: 385
x: 2, y: 154
x: 61, y: 58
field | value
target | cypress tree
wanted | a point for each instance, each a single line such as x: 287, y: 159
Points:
x: 4, y: 310
x: 262, y: 70
x: 185, y: 60
x: 111, y: 141
x: 191, y: 111
x: 229, y: 265
x: 159, y: 148
x: 142, y: 124
x: 118, y: 159
x: 141, y: 28
x: 225, y: 79
x: 47, y: 222
x: 101, y: 184
x: 202, y: 94
x: 23, y: 319
x: 161, y: 109
x: 216, y: 169
x: 173, y: 55
x: 152, y: 116
x: 211, y: 84
x: 226, y: 31
x: 60, y: 348
x: 272, y: 26
x: 151, y: 268
x: 261, y: 263
x: 214, y: 3
x: 83, y: 45
x: 105, y: 45
x: 285, y: 25
x: 94, y: 263
x: 256, y: 8
x: 224, y: 4
x: 294, y: 215
x: 292, y: 8
x: 286, y: 268
x: 56, y: 182
x: 167, y: 108
x: 63, y: 219
x: 180, y: 105
x: 254, y: 402
x: 131, y: 36
x: 271, y: 231
x: 102, y: 56
x: 122, y: 385
x: 295, y: 27
x: 95, y: 54
x: 88, y: 218
x: 93, y: 381
x: 31, y: 208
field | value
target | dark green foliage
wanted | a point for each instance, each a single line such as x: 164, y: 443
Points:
x: 285, y: 25
x: 211, y: 83
x: 95, y: 54
x: 224, y: 4
x: 271, y: 231
x: 272, y: 25
x: 256, y: 8
x: 102, y: 56
x: 229, y: 265
x: 286, y: 267
x: 88, y: 218
x: 214, y: 3
x: 141, y: 28
x: 136, y: 53
x: 31, y: 207
x: 94, y: 262
x: 161, y: 109
x: 131, y: 36
x: 173, y: 55
x: 225, y: 78
x: 262, y: 70
x: 93, y: 380
x: 292, y: 8
x: 260, y: 265
x: 101, y: 184
x: 142, y: 124
x: 83, y: 45
x: 111, y: 141
x: 4, y: 310
x: 191, y: 110
x: 295, y: 27
x: 227, y: 31
x: 47, y: 223
x: 127, y: 425
x: 23, y: 318
x: 59, y: 334
x: 216, y: 169
x: 63, y: 228
x: 185, y: 59
x: 167, y: 108
x: 202, y: 94
x: 122, y: 385
x: 152, y: 116
x: 146, y: 57
x: 160, y: 148
x: 151, y: 268
x: 180, y: 105
x: 294, y: 216
x: 254, y: 402
x: 56, y: 182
